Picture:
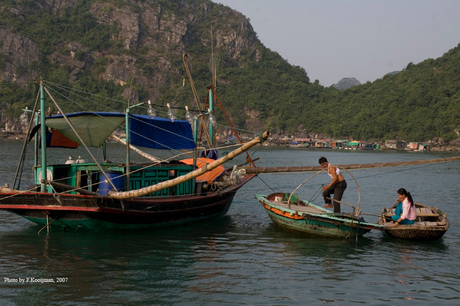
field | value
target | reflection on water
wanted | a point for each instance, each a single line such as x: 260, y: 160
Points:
x: 242, y: 258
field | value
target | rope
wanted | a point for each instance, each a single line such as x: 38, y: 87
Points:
x: 265, y: 183
x: 316, y: 194
x: 289, y: 199
x: 186, y: 61
x: 47, y: 226
x: 20, y: 167
x: 231, y: 124
x: 19, y: 192
x: 357, y: 185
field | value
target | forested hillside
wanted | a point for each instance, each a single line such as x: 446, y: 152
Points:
x: 132, y: 50
x: 419, y: 103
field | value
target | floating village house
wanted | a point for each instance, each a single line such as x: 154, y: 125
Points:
x: 395, y: 144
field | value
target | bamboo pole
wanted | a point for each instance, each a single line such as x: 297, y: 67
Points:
x: 137, y: 150
x: 166, y: 184
x: 351, y: 166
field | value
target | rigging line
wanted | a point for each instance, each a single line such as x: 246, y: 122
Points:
x: 176, y: 157
x: 72, y: 91
x: 240, y: 130
x: 89, y: 99
x: 175, y: 107
x: 20, y: 167
x: 100, y: 117
x: 356, y: 182
x: 73, y: 101
x: 137, y: 150
x: 395, y: 171
x: 316, y: 194
x: 121, y: 126
x: 20, y: 192
x: 187, y: 64
x: 251, y: 159
x: 165, y: 130
x: 225, y: 147
x: 79, y: 138
x: 265, y: 183
x: 228, y: 119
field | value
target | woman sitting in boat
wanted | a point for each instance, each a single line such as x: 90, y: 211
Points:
x: 405, y: 212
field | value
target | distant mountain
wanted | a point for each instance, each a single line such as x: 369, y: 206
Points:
x: 346, y: 83
x: 393, y: 72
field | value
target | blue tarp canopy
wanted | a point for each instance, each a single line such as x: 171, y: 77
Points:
x: 95, y: 127
x: 160, y: 133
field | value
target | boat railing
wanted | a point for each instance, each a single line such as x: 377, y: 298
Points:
x: 356, y: 210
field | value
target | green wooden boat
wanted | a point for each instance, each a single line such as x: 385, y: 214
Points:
x: 293, y: 214
x: 99, y: 194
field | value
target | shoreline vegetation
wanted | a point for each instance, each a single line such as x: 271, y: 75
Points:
x: 313, y: 143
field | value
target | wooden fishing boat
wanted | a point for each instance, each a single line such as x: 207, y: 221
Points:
x: 431, y: 224
x: 293, y: 214
x: 105, y: 195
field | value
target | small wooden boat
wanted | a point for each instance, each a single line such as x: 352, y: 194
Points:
x: 291, y: 213
x: 431, y: 224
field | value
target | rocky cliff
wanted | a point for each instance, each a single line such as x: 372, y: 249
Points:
x: 145, y: 45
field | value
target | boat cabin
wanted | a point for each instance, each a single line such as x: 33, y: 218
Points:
x: 80, y: 177
x: 93, y: 129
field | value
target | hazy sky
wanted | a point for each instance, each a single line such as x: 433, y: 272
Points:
x: 365, y: 39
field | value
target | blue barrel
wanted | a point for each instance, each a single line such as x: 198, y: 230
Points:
x: 117, y: 179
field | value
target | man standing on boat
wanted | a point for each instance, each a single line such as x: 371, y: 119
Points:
x: 337, y: 185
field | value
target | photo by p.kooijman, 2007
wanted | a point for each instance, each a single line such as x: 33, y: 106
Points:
x: 40, y: 280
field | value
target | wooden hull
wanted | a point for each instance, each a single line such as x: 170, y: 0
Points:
x: 317, y: 227
x: 102, y: 212
x: 431, y: 224
x: 318, y: 222
x: 418, y: 233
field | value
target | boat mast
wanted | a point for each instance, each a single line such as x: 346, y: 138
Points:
x: 128, y: 156
x: 43, y: 137
x: 212, y: 136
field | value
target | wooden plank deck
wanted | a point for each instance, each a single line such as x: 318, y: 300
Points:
x: 302, y: 208
x: 421, y: 212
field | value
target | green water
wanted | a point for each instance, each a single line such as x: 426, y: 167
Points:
x: 242, y: 258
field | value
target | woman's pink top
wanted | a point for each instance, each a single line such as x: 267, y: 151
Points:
x: 408, y: 210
